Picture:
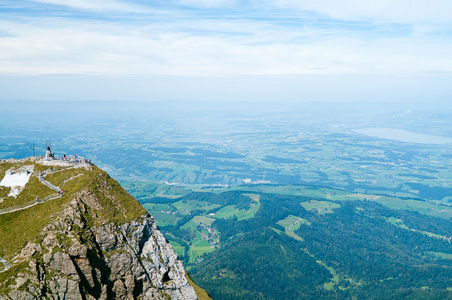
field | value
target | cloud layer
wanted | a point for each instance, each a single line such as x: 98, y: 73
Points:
x: 225, y: 37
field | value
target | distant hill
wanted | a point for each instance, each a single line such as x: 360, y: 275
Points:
x: 69, y: 231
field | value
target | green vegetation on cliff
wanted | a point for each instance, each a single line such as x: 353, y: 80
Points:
x: 92, y: 241
x: 21, y: 226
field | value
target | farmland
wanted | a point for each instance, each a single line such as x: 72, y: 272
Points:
x: 219, y: 229
x: 285, y: 201
x: 241, y: 145
x: 194, y: 219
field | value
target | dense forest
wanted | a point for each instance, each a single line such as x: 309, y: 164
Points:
x: 354, y: 249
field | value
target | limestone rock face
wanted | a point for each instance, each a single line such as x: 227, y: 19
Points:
x: 75, y: 260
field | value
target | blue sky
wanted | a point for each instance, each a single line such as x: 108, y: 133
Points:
x: 220, y: 50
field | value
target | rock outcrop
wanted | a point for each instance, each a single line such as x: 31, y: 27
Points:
x: 81, y: 254
x: 127, y: 261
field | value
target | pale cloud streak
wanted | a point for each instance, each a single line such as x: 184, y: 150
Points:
x: 97, y: 5
x: 396, y: 11
x: 208, y: 3
x: 209, y: 43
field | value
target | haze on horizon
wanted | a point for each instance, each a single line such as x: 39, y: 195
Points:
x: 226, y: 50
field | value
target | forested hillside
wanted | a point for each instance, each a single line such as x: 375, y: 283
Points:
x: 252, y: 245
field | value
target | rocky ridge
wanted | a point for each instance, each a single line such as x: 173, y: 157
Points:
x: 85, y: 254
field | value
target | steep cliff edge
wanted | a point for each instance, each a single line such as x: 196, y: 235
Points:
x: 93, y: 242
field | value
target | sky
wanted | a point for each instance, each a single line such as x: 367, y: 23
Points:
x: 226, y: 50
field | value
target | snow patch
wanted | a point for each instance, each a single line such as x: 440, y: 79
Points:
x: 17, y: 179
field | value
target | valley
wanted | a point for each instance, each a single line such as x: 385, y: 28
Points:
x: 319, y: 226
x: 277, y: 203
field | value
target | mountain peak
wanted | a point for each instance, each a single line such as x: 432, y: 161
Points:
x: 72, y: 232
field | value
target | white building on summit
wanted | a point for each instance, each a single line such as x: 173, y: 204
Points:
x: 49, y: 154
x: 49, y: 159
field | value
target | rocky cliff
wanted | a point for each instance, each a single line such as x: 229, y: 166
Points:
x: 94, y: 242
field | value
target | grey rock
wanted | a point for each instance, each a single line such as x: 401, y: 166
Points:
x: 78, y: 251
x: 127, y: 261
x: 62, y: 262
x: 21, y: 295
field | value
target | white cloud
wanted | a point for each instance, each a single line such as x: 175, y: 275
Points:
x: 333, y: 39
x: 185, y: 45
x: 208, y: 3
x: 97, y: 5
x: 397, y: 11
x: 75, y: 48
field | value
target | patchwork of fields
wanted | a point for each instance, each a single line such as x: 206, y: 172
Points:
x: 216, y: 230
x: 233, y: 146
x: 197, y: 215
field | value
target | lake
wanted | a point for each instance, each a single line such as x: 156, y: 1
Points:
x: 404, y: 136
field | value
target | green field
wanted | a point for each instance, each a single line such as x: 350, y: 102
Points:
x: 199, y: 241
x: 177, y: 247
x: 231, y: 211
x: 423, y: 207
x: 189, y: 205
x: 399, y: 223
x: 255, y: 197
x: 292, y: 223
x: 430, y: 234
x: 322, y: 207
x: 204, y: 220
x: 254, y: 207
x: 190, y: 225
x: 199, y: 248
x: 226, y: 212
x: 441, y: 255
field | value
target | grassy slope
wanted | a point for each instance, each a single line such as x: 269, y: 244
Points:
x: 22, y: 226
